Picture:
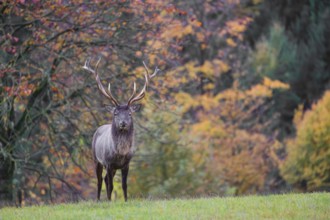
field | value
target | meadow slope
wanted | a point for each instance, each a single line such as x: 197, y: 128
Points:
x: 289, y: 206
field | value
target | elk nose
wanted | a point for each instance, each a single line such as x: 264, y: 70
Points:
x: 122, y: 124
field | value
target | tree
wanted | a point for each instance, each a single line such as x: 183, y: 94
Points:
x: 47, y: 102
x: 225, y: 98
x: 222, y: 101
x: 289, y: 41
x: 162, y: 166
x: 307, y: 164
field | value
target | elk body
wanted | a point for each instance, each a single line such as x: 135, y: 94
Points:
x: 113, y: 144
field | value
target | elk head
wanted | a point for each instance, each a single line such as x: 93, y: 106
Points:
x: 122, y: 113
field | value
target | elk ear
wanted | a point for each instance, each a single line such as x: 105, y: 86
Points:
x: 110, y: 108
x: 135, y: 107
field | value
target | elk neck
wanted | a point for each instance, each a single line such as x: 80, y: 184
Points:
x: 122, y: 138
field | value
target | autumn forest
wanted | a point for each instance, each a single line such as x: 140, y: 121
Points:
x: 241, y: 104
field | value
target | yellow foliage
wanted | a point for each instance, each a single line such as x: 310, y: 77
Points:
x: 177, y: 30
x: 238, y: 26
x: 308, y: 156
x: 207, y: 69
x: 210, y: 69
x: 209, y: 128
x: 196, y: 23
x: 209, y: 86
x: 265, y: 89
x: 207, y: 102
x: 298, y: 115
x: 231, y: 42
x: 157, y: 45
x: 58, y: 45
x: 235, y: 26
x: 187, y: 30
x: 231, y: 94
x: 275, y: 84
x: 200, y: 37
x: 259, y: 91
x: 185, y: 101
x: 191, y: 69
x: 173, y: 31
x: 152, y: 59
x: 220, y: 66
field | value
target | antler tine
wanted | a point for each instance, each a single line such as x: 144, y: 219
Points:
x: 133, y: 94
x: 154, y: 73
x: 112, y: 98
x: 143, y: 91
x: 97, y: 64
x: 87, y: 66
x: 139, y: 96
x: 145, y: 67
x: 99, y: 83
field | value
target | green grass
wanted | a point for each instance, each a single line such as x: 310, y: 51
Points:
x: 290, y: 206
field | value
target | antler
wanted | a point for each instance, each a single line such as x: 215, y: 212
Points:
x: 97, y: 78
x: 147, y: 77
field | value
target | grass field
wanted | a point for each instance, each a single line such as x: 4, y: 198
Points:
x: 290, y: 206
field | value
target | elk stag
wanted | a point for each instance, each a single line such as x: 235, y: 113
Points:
x: 112, y: 145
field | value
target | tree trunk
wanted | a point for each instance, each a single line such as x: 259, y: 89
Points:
x: 7, y: 168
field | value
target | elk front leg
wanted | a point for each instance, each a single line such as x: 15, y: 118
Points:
x: 106, y: 178
x: 99, y: 170
x: 124, y: 173
x: 109, y: 181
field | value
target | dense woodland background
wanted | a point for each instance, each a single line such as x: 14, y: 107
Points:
x: 241, y: 106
